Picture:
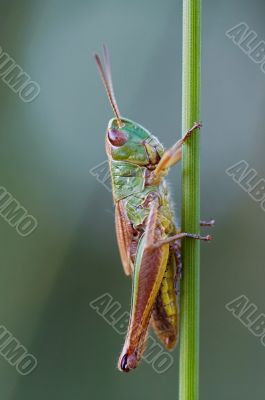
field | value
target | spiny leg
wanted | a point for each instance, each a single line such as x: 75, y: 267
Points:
x: 180, y: 236
x: 174, y: 153
x: 210, y: 223
x: 176, y: 245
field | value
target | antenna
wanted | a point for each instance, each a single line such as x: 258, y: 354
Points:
x: 107, y: 82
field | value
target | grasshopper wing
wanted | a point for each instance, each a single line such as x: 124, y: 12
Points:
x: 149, y: 269
x: 124, y: 233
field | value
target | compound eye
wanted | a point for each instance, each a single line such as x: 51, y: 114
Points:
x: 116, y: 137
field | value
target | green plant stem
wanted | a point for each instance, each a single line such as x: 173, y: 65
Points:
x: 190, y: 297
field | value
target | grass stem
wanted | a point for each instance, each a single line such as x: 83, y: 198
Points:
x: 190, y: 288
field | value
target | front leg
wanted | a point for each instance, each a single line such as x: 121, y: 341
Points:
x: 174, y: 153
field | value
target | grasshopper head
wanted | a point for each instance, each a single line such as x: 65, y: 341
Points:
x: 129, y: 141
x: 126, y: 140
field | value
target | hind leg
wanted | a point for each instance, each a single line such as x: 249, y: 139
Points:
x: 179, y: 236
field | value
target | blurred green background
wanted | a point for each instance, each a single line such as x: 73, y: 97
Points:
x: 47, y: 150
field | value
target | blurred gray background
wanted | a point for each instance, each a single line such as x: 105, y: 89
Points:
x: 47, y: 149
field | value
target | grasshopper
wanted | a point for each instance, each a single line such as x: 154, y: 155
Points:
x: 149, y: 240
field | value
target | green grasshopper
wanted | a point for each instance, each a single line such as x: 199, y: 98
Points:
x: 148, y: 238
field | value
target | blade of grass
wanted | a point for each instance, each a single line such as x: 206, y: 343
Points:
x: 190, y: 297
